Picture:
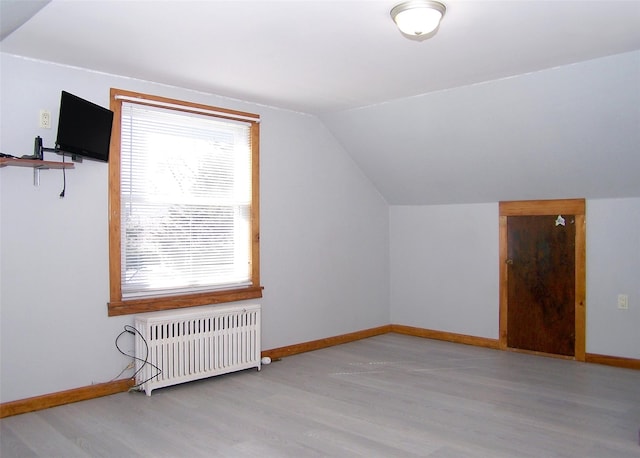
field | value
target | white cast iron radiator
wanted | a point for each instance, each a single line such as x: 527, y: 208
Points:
x: 184, y: 345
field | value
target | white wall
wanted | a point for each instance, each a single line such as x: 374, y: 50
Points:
x: 324, y: 237
x: 613, y: 267
x: 444, y: 271
x: 444, y: 268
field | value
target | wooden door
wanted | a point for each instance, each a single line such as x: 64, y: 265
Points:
x: 542, y: 276
x: 541, y: 283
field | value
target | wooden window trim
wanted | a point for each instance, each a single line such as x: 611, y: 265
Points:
x: 118, y: 306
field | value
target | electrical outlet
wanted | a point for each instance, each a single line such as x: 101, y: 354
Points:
x: 623, y: 301
x: 45, y: 119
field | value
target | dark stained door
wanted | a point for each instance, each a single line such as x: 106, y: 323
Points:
x: 541, y: 283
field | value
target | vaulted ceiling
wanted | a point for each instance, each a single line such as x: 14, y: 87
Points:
x: 455, y: 133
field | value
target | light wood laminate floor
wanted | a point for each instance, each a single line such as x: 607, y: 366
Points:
x: 386, y: 396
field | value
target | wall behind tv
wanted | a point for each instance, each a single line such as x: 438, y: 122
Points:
x: 324, y: 237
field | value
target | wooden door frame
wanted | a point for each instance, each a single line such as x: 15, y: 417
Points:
x: 574, y: 207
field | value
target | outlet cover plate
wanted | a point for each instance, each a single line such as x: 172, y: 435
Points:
x: 623, y: 301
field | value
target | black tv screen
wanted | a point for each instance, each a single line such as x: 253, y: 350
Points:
x: 84, y: 128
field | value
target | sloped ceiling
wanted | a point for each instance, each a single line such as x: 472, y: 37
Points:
x: 568, y: 132
x: 476, y: 113
x: 14, y: 13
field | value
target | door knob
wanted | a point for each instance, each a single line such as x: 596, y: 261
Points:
x: 509, y: 261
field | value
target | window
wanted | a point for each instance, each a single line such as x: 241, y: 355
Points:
x: 183, y: 203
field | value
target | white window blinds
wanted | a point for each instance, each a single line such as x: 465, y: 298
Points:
x: 185, y: 202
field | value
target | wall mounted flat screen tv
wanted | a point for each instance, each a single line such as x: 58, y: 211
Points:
x: 84, y: 128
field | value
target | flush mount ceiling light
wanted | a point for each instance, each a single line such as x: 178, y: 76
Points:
x: 418, y: 17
